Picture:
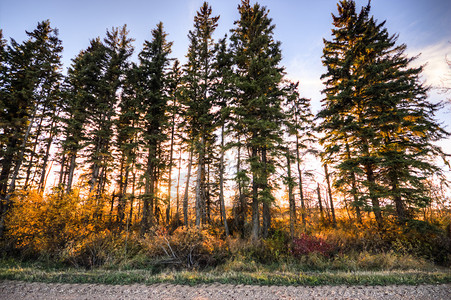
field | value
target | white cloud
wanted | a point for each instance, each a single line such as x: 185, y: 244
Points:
x: 434, y: 59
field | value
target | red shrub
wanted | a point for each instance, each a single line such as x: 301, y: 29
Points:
x: 306, y: 244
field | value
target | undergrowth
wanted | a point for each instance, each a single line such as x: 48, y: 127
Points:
x: 50, y: 236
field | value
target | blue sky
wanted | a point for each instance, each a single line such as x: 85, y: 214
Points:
x: 424, y: 25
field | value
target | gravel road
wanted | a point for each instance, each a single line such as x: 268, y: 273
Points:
x: 18, y: 290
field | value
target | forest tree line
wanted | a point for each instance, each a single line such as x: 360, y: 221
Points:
x: 125, y: 132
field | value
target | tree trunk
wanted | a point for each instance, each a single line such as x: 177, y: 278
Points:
x: 266, y: 222
x: 94, y: 177
x: 62, y: 171
x: 123, y: 183
x: 374, y: 200
x: 206, y: 216
x: 318, y: 191
x: 301, y: 191
x: 401, y: 211
x: 329, y: 190
x: 149, y: 191
x: 178, y: 184
x: 242, y: 203
x: 221, y: 185
x: 156, y: 188
x: 356, y: 204
x: 291, y: 196
x: 132, y: 198
x: 171, y: 150
x: 185, y: 196
x: 198, y: 200
x: 372, y: 184
x: 70, y: 175
x: 255, y: 203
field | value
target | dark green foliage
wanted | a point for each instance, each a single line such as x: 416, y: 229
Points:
x: 257, y: 108
x: 198, y: 102
x: 378, y: 124
x: 30, y: 78
x: 109, y: 63
x: 152, y: 85
x: 96, y: 75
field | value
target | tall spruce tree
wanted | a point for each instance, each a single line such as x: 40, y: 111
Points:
x: 128, y: 132
x: 378, y: 124
x: 223, y: 91
x: 398, y: 107
x: 74, y: 115
x: 198, y: 101
x: 47, y: 48
x: 29, y: 104
x: 175, y: 77
x: 300, y: 125
x: 110, y: 61
x: 152, y: 90
x: 258, y: 103
x: 342, y: 109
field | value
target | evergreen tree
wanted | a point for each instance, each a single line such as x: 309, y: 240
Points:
x: 46, y: 52
x: 299, y: 123
x: 398, y: 107
x: 28, y: 108
x: 152, y: 92
x: 128, y: 131
x: 222, y: 94
x: 198, y: 101
x: 110, y: 63
x: 90, y: 108
x: 258, y: 103
x: 342, y: 109
x: 75, y: 100
x: 175, y: 77
x: 378, y: 123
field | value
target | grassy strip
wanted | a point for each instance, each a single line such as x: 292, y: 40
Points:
x: 143, y: 276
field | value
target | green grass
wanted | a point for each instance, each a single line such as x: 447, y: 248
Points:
x: 39, y: 272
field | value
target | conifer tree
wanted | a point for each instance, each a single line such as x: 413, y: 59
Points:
x: 175, y: 77
x: 398, y: 107
x: 46, y: 52
x: 379, y: 126
x: 198, y: 102
x: 342, y: 109
x: 29, y: 106
x: 258, y: 102
x: 128, y: 130
x: 222, y: 93
x: 110, y: 63
x: 299, y: 123
x: 74, y: 115
x: 90, y: 108
x: 152, y: 91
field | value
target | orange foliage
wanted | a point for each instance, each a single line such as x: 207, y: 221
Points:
x: 47, y: 223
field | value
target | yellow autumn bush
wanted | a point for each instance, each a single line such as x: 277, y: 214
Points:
x: 46, y: 224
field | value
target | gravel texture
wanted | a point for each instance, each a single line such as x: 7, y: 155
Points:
x: 18, y: 290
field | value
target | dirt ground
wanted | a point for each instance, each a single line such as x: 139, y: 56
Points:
x: 17, y: 290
